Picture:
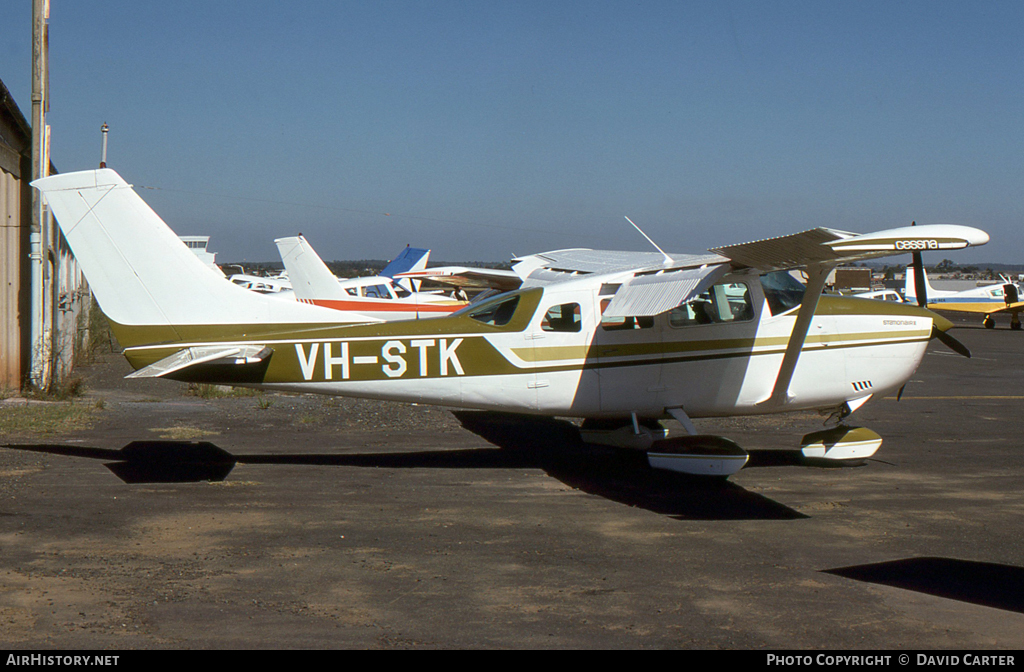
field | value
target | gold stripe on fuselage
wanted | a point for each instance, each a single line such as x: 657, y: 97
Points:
x: 459, y: 345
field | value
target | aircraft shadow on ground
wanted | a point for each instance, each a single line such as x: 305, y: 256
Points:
x: 522, y: 442
x: 152, y: 461
x: 983, y: 583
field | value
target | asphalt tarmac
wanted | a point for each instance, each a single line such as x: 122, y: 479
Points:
x: 277, y: 521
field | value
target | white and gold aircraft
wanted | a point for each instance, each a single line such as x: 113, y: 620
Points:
x: 620, y: 339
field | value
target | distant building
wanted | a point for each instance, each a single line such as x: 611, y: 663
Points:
x: 198, y: 245
x: 855, y: 279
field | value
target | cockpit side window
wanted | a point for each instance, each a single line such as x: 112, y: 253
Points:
x: 782, y: 291
x: 376, y: 292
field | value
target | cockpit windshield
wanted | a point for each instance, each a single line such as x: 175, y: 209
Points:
x: 497, y: 312
x: 782, y: 291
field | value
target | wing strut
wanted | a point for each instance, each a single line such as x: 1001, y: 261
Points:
x: 816, y: 276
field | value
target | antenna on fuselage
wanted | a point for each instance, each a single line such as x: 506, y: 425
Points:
x: 668, y: 259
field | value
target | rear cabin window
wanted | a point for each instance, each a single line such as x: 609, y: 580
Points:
x: 564, y: 317
x: 497, y: 314
x: 724, y: 302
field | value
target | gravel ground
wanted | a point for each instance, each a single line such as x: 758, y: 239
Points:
x: 355, y: 524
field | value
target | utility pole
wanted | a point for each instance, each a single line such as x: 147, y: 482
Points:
x: 39, y: 243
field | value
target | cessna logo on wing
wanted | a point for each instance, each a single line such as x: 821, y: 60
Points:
x: 396, y: 358
x: 929, y: 244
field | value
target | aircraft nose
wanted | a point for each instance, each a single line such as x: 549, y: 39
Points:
x: 940, y: 322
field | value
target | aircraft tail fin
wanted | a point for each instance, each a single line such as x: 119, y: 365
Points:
x: 309, y: 275
x: 409, y: 259
x: 141, y: 272
x: 909, y: 289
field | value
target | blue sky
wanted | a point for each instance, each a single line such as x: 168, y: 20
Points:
x: 486, y: 129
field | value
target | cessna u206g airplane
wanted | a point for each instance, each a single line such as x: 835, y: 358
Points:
x: 620, y: 339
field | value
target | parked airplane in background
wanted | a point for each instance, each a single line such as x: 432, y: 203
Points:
x: 620, y: 339
x: 262, y: 284
x: 989, y: 300
x: 881, y: 295
x: 378, y: 296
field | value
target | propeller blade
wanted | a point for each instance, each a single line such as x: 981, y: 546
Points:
x: 950, y: 342
x: 900, y: 393
x: 920, y: 286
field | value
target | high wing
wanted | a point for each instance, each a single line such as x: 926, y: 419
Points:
x: 467, y: 277
x: 654, y: 282
x: 832, y: 247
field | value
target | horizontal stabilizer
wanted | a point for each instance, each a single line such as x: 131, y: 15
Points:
x: 229, y: 364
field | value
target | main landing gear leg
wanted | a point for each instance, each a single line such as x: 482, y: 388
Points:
x: 695, y: 454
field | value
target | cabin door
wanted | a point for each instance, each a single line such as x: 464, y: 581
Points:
x: 629, y: 363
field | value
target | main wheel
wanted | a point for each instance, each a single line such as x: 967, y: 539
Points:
x: 989, y: 323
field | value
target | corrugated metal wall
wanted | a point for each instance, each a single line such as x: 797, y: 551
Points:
x: 13, y: 291
x: 68, y: 301
x: 73, y: 303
